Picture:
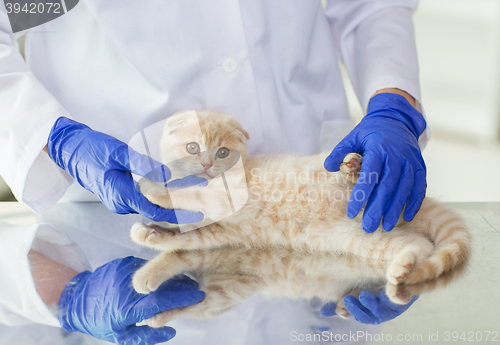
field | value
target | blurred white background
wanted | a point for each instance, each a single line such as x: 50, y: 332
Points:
x: 459, y: 51
x: 458, y: 44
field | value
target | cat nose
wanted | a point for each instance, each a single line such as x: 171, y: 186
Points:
x: 206, y: 166
x: 206, y: 160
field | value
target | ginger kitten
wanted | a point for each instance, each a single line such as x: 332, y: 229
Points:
x: 230, y: 275
x: 292, y: 202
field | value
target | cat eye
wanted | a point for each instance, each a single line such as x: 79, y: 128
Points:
x: 222, y: 152
x: 193, y: 148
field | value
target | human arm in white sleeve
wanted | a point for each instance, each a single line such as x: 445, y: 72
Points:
x: 32, y: 120
x: 41, y: 283
x: 375, y: 39
x: 28, y: 112
x: 29, y: 287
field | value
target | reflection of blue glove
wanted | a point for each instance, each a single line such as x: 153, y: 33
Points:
x: 387, y: 137
x: 103, y: 165
x: 105, y: 305
x: 369, y: 309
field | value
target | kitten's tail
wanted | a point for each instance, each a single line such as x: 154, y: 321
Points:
x: 452, y: 242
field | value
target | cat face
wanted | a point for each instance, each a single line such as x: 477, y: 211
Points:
x: 202, y: 143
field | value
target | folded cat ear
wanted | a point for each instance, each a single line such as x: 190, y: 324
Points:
x: 175, y: 122
x: 244, y: 134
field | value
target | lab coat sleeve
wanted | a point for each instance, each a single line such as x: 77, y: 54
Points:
x: 376, y: 41
x: 19, y: 301
x: 28, y: 112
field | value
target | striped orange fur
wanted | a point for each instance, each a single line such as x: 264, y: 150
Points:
x: 294, y: 203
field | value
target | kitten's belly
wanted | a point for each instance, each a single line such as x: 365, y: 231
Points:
x: 306, y: 204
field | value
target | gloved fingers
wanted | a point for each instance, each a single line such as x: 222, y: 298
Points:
x: 397, y: 307
x: 333, y: 161
x: 138, y: 335
x: 130, y: 160
x: 380, y: 310
x: 159, y: 214
x: 381, y: 195
x: 128, y: 263
x: 167, y: 300
x: 417, y: 195
x: 360, y: 313
x: 180, y: 282
x: 402, y: 193
x: 157, y: 302
x: 371, y: 170
x: 185, y: 217
x: 188, y: 181
x: 328, y: 309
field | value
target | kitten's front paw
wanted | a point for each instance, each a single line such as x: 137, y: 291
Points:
x: 152, y: 234
x: 351, y: 166
x: 161, y: 319
x: 341, y: 310
x: 142, y: 233
x: 157, y: 321
x: 148, y: 187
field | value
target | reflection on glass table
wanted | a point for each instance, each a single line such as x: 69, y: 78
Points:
x: 231, y: 275
x: 236, y: 278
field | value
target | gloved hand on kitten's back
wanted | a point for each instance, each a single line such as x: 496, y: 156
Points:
x: 103, y: 165
x: 393, y: 172
x: 368, y: 308
x: 104, y: 304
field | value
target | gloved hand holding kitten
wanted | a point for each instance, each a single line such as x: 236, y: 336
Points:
x: 104, y: 304
x: 368, y: 308
x: 393, y: 173
x: 103, y: 165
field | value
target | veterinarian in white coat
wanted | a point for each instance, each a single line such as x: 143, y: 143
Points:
x: 119, y: 66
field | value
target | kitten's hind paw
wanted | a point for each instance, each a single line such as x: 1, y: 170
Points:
x: 401, y: 267
x: 149, y: 277
x: 398, y: 294
x: 351, y: 166
x: 398, y: 273
x: 144, y: 282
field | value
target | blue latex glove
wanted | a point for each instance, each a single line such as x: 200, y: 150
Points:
x: 103, y: 165
x: 104, y: 304
x: 387, y: 137
x: 369, y: 309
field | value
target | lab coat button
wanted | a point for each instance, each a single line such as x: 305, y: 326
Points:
x: 230, y: 65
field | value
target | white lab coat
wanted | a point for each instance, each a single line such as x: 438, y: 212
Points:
x: 122, y: 65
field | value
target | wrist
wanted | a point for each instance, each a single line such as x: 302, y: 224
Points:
x: 68, y: 299
x: 50, y: 277
x: 395, y: 106
x: 62, y: 130
x: 400, y: 92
